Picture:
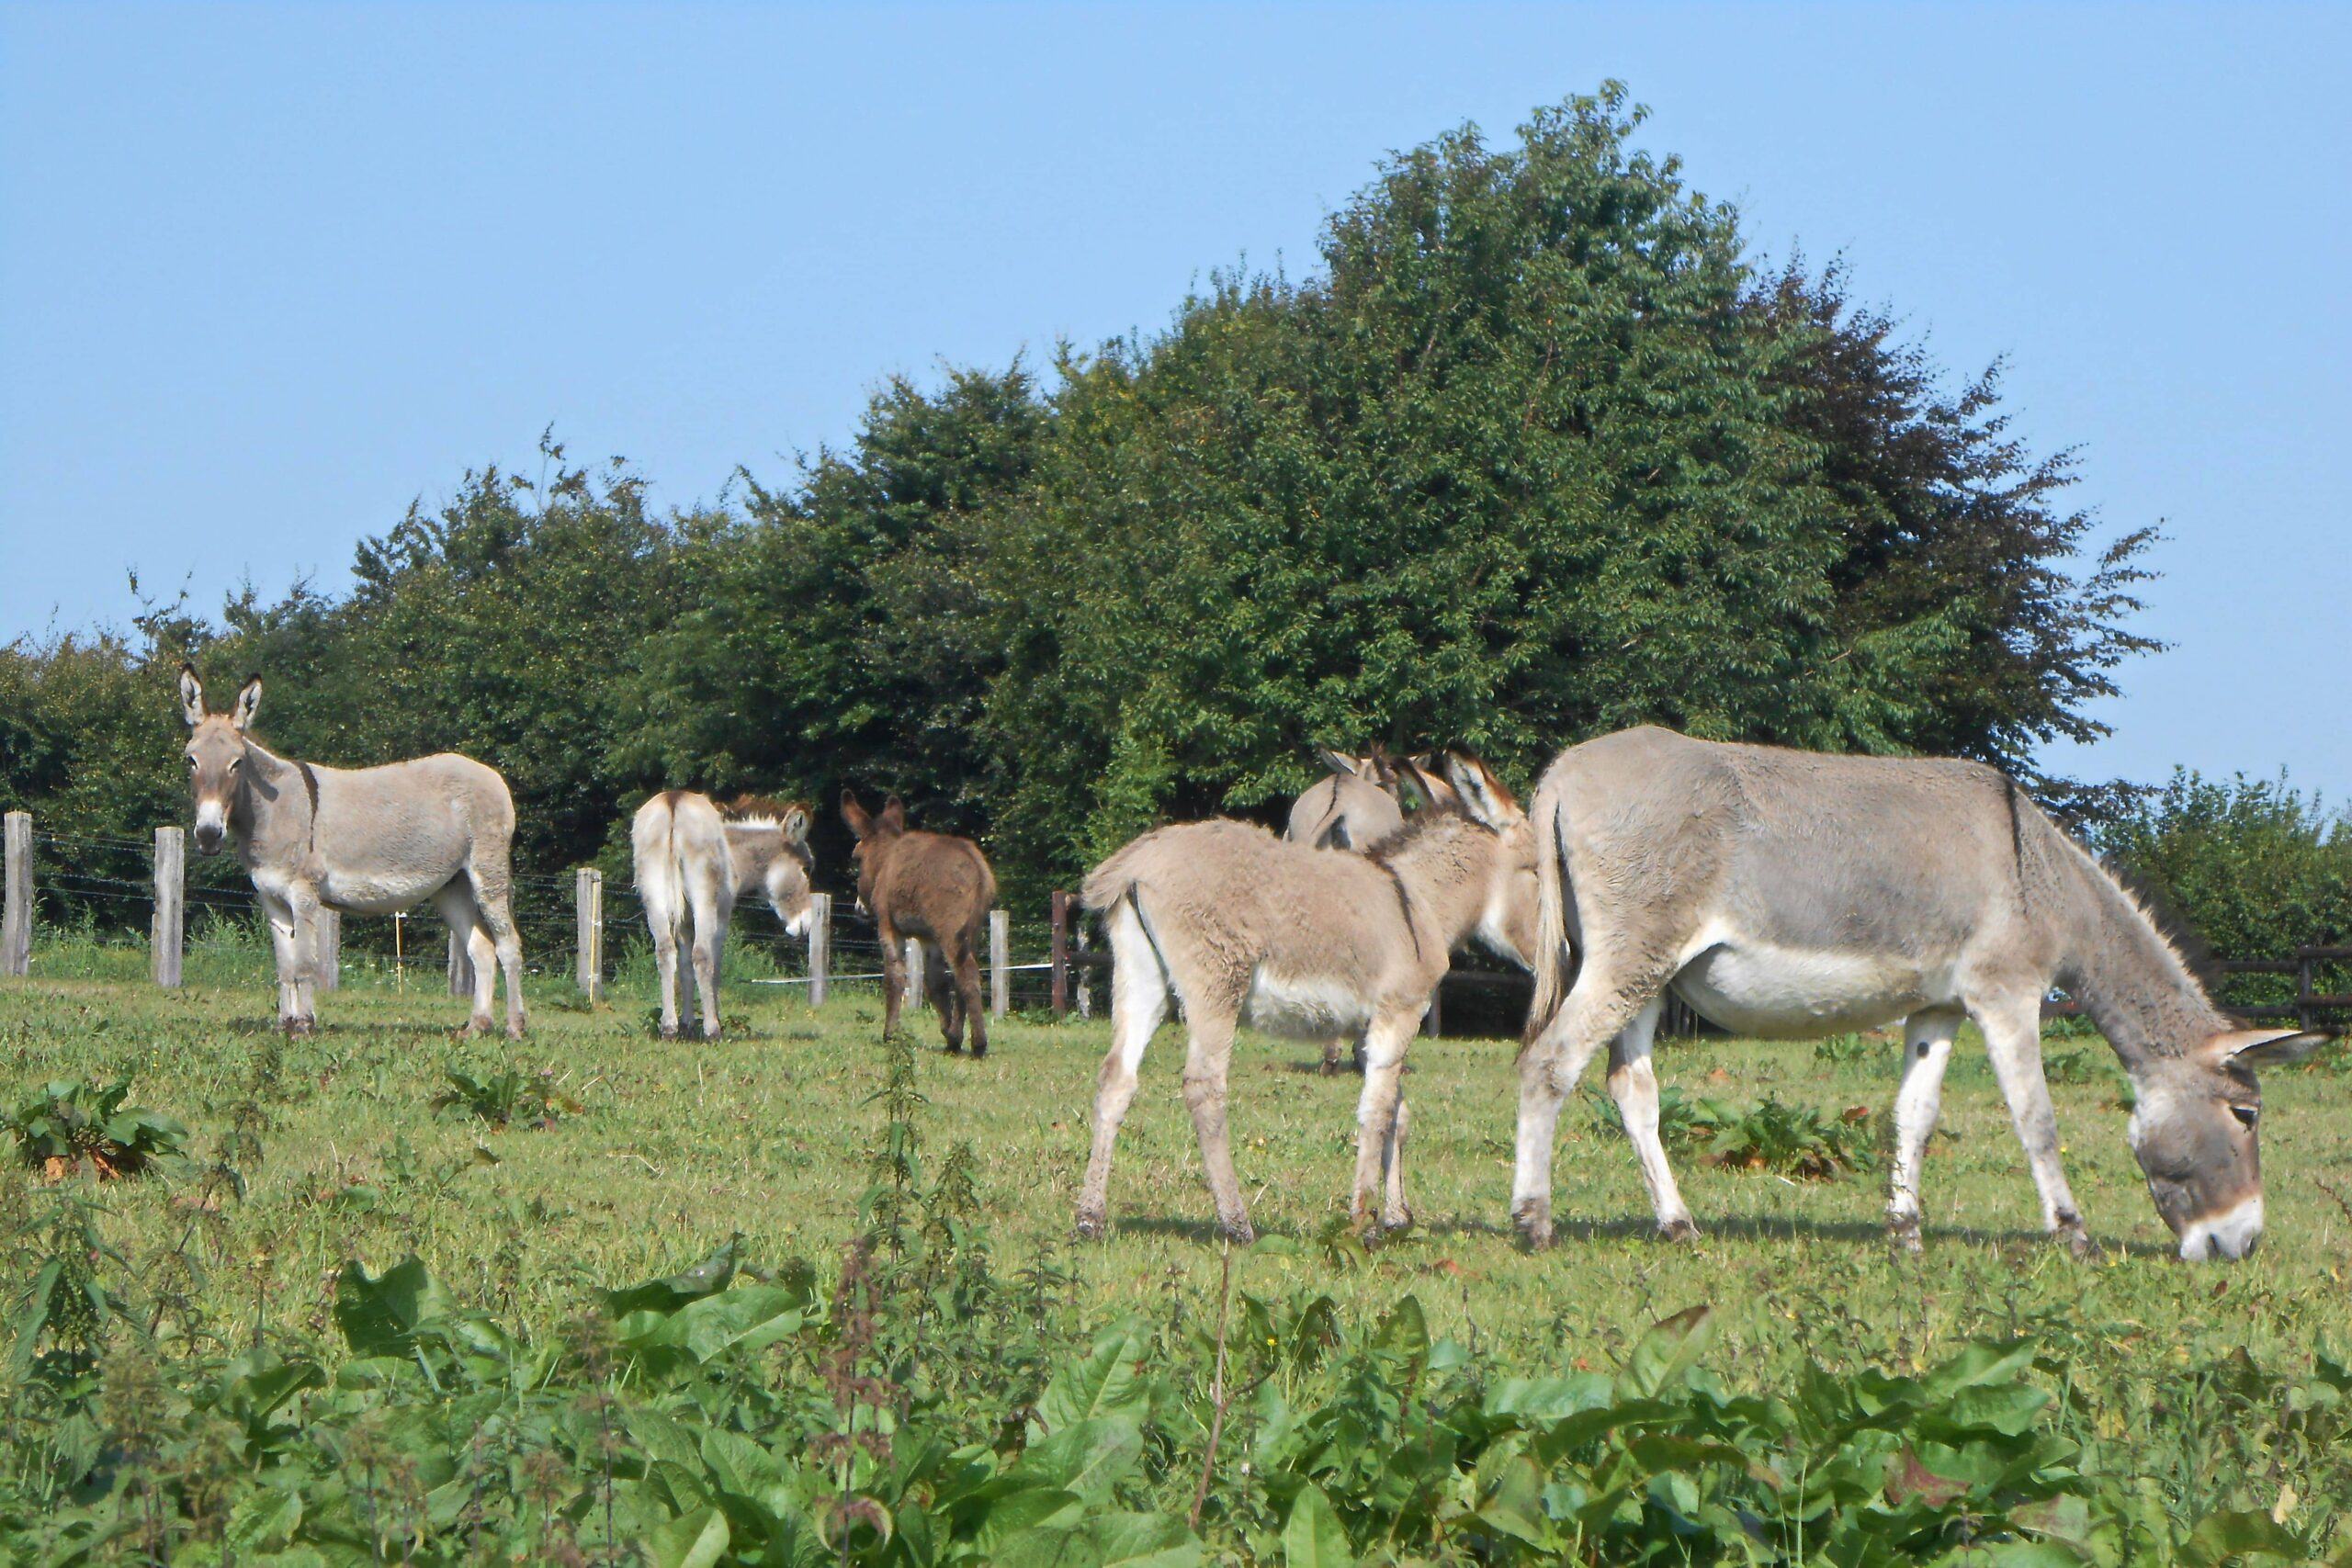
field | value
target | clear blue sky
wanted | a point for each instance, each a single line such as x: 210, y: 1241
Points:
x: 267, y: 273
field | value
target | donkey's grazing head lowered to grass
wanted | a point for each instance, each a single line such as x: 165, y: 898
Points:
x: 936, y: 889
x: 1793, y: 895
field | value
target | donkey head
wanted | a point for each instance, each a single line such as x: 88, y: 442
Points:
x: 873, y: 835
x: 788, y: 878
x: 2194, y: 1127
x: 216, y: 755
x: 1468, y: 786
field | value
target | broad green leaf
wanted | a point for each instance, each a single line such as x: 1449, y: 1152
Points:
x: 1105, y: 1541
x: 1550, y: 1399
x: 1088, y: 1458
x: 1103, y: 1383
x: 264, y: 1519
x: 381, y: 1316
x: 1405, y: 1331
x: 696, y: 1540
x: 2221, y: 1536
x: 674, y: 1291
x: 1670, y: 1349
x: 1313, y: 1535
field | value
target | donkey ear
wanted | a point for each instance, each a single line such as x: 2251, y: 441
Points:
x: 1338, y: 763
x: 860, y: 824
x: 894, y: 816
x: 1383, y: 767
x: 240, y: 718
x: 191, y: 696
x: 795, y: 825
x: 1483, y: 795
x: 2262, y: 1047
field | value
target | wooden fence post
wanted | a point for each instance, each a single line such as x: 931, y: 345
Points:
x: 1433, y: 1020
x: 16, y: 903
x: 164, y: 932
x: 461, y: 967
x: 999, y: 961
x: 1061, y: 956
x: 330, y: 955
x: 915, y: 991
x: 588, y: 898
x: 820, y: 946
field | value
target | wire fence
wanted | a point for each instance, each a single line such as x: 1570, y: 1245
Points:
x: 84, y: 900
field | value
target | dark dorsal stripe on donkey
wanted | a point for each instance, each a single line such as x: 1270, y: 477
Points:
x: 360, y: 841
x: 937, y: 889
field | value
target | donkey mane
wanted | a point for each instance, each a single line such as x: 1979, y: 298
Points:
x: 1418, y: 825
x: 2174, y: 929
x: 759, y: 811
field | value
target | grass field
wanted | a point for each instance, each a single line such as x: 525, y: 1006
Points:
x: 772, y: 1132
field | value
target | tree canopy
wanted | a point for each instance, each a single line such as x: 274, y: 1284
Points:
x: 1536, y: 452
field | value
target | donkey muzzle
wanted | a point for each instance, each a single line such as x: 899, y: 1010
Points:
x: 2228, y: 1236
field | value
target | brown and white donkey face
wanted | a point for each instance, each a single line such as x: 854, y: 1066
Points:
x: 2195, y: 1128
x: 216, y: 755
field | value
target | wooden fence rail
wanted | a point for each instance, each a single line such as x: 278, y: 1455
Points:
x: 1068, y: 957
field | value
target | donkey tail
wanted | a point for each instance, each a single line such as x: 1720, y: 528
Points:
x: 1551, y: 959
x: 659, y: 868
x: 1113, y: 879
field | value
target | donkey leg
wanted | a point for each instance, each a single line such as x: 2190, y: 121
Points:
x: 1138, y: 1001
x: 939, y: 990
x: 302, y: 903
x: 1927, y: 1051
x: 709, y: 949
x: 2013, y: 1038
x: 1597, y: 1008
x: 665, y: 965
x: 456, y: 902
x: 1207, y: 1064
x: 281, y: 941
x: 1394, y: 1213
x: 1384, y: 1044
x: 492, y: 896
x: 970, y: 1006
x: 893, y: 976
x: 1633, y: 1083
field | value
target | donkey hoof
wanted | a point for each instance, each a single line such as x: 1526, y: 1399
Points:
x: 1680, y: 1231
x: 1242, y: 1233
x: 514, y: 1031
x: 1905, y: 1236
x: 2079, y: 1243
x: 1534, y: 1223
x: 980, y: 1052
x: 1091, y: 1224
x: 1396, y: 1222
x: 669, y: 1031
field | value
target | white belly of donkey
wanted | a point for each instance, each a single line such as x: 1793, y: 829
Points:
x: 1304, y: 1008
x: 1781, y: 993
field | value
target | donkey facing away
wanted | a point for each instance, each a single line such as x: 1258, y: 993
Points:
x: 360, y: 841
x: 696, y: 857
x: 1789, y: 894
x: 1226, y: 918
x: 937, y: 889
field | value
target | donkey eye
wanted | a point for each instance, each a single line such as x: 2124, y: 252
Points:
x: 2247, y: 1115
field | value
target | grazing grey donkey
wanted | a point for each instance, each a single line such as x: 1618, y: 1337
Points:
x: 694, y: 857
x: 1791, y: 894
x: 1225, y: 918
x: 360, y: 841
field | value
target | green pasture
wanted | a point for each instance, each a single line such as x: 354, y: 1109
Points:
x: 772, y: 1132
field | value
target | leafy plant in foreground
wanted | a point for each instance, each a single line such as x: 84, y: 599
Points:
x: 69, y: 1124
x: 1788, y: 1140
x: 508, y: 1096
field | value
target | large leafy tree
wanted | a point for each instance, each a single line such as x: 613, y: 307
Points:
x: 1526, y: 462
